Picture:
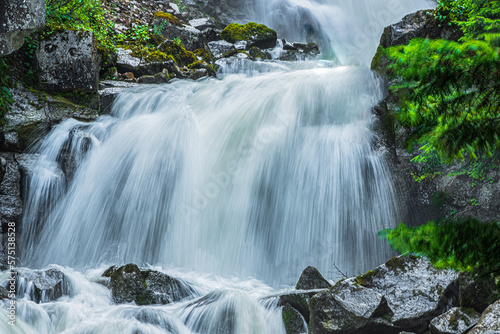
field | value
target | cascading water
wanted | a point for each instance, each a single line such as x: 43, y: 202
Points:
x: 259, y: 173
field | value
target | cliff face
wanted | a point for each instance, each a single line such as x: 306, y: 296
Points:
x: 432, y: 190
x: 19, y: 18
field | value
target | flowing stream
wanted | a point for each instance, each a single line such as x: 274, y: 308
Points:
x: 234, y: 184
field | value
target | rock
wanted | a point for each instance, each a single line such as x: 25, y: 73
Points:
x: 299, y: 301
x: 293, y: 320
x: 202, y: 24
x: 404, y: 294
x: 4, y: 293
x: 109, y: 91
x: 68, y: 61
x: 32, y: 115
x: 219, y: 48
x: 311, y: 279
x: 145, y: 287
x: 126, y: 62
x: 477, y: 293
x: 254, y: 34
x: 455, y: 321
x: 421, y: 24
x: 489, y: 323
x: 41, y: 286
x: 18, y: 19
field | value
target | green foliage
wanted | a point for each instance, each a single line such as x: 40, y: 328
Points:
x: 138, y: 34
x: 79, y: 15
x: 450, y: 95
x: 5, y: 95
x: 236, y: 32
x: 465, y: 245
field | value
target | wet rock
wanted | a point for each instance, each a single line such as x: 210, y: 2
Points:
x: 293, y: 320
x: 404, y: 294
x: 219, y: 48
x: 4, y: 293
x: 299, y: 301
x: 312, y: 279
x: 455, y: 321
x: 145, y: 287
x: 68, y: 61
x: 41, y: 286
x: 421, y: 24
x: 489, y: 323
x: 18, y: 19
x: 126, y: 62
x: 202, y: 24
x: 477, y: 292
x: 252, y: 33
x: 109, y: 91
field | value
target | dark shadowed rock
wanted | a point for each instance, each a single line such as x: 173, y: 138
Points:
x: 477, y: 292
x: 18, y: 19
x: 455, y: 321
x: 145, y: 287
x: 41, y: 286
x: 68, y: 61
x: 293, y: 320
x: 489, y: 323
x: 4, y: 293
x: 312, y: 279
x: 421, y: 24
x: 299, y: 301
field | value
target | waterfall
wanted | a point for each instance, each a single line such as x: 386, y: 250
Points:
x: 234, y: 184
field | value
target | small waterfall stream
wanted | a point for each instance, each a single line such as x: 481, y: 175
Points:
x: 233, y: 184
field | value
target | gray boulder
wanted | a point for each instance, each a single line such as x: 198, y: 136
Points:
x: 421, y: 24
x: 489, y: 323
x: 312, y: 279
x: 68, y: 61
x: 18, y: 19
x: 404, y: 294
x: 455, y: 321
x: 41, y: 286
x: 145, y: 287
x: 219, y: 48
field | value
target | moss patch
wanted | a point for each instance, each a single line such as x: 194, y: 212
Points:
x: 169, y: 17
x: 237, y: 32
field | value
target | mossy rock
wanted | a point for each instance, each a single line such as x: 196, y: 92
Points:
x: 169, y: 17
x: 255, y: 34
x: 257, y: 53
x: 128, y: 285
x: 180, y: 55
x: 293, y: 321
x: 204, y: 54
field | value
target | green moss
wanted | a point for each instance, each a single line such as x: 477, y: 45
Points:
x: 204, y: 54
x: 181, y: 56
x: 365, y: 279
x: 236, y: 32
x: 256, y: 53
x: 169, y: 17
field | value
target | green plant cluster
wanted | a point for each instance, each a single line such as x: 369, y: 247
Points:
x: 464, y: 245
x: 5, y: 95
x: 80, y: 15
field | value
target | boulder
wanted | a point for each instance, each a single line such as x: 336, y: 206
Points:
x: 145, y: 287
x: 477, y: 292
x: 252, y: 33
x: 68, y: 61
x: 18, y: 19
x: 32, y: 115
x: 4, y: 293
x: 108, y: 92
x: 421, y: 24
x: 299, y: 301
x: 312, y: 279
x: 455, y: 321
x: 219, y: 48
x: 293, y: 320
x: 489, y: 323
x: 404, y: 294
x: 41, y: 286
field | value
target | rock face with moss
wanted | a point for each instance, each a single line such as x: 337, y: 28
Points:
x: 145, y: 287
x: 252, y: 33
x: 18, y: 19
x: 489, y: 323
x: 405, y: 293
x: 455, y: 321
x: 68, y: 61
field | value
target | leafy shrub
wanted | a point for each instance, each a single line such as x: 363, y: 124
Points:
x: 5, y: 95
x: 465, y: 245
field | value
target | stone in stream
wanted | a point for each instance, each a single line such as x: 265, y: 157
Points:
x: 293, y: 320
x: 145, y: 287
x: 41, y: 286
x: 312, y: 279
x: 489, y: 323
x: 455, y: 321
x: 404, y: 294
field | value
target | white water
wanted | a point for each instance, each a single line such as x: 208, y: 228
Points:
x: 257, y: 174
